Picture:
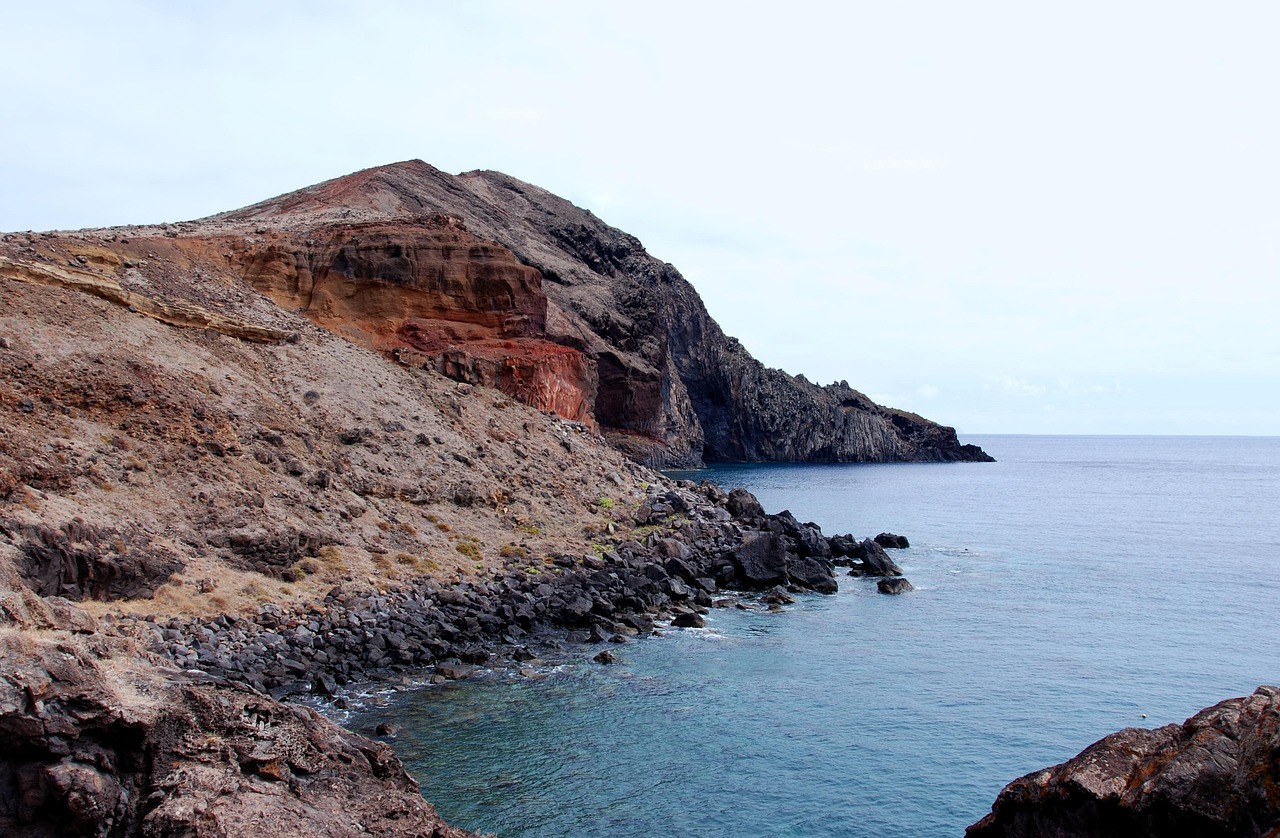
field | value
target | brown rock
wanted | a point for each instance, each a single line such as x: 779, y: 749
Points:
x: 1217, y: 774
x: 99, y: 742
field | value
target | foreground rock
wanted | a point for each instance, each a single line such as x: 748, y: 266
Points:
x: 97, y: 741
x: 1217, y: 774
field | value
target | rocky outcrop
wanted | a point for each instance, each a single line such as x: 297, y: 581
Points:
x: 672, y: 389
x: 1217, y: 774
x: 98, y: 741
x: 429, y: 294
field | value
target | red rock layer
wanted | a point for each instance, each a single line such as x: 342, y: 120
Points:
x: 430, y: 294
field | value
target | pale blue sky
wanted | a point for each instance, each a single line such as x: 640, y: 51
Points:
x: 1006, y: 217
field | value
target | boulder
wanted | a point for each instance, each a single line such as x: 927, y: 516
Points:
x: 688, y: 619
x: 842, y: 546
x: 894, y: 585
x: 875, y: 561
x: 761, y: 561
x: 1215, y: 775
x: 812, y: 573
x: 888, y: 539
x: 455, y: 671
x: 743, y: 505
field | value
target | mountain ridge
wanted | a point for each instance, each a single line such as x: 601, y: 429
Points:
x: 671, y: 389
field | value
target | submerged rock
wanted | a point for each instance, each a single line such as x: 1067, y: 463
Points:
x: 1217, y: 774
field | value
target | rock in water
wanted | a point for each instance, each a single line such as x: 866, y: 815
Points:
x: 1217, y: 774
x: 762, y: 559
x: 875, y: 561
x: 888, y: 539
x: 894, y: 585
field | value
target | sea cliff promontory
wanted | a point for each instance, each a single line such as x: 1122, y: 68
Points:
x: 664, y: 382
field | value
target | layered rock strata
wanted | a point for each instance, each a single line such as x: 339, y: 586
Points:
x: 1217, y: 774
x: 672, y: 389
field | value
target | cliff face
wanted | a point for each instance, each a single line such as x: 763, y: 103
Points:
x: 1217, y: 774
x: 430, y: 294
x: 671, y: 389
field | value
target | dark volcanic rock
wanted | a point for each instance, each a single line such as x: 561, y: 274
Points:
x: 743, y: 505
x: 1217, y: 774
x: 875, y: 561
x: 79, y: 561
x: 813, y: 574
x: 761, y: 561
x: 888, y: 539
x: 894, y: 585
x: 688, y: 619
x: 117, y: 747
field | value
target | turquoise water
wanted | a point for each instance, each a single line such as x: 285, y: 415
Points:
x: 1062, y: 593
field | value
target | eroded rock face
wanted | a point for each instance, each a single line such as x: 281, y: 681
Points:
x: 97, y: 742
x: 671, y: 388
x: 1217, y: 774
x: 431, y: 295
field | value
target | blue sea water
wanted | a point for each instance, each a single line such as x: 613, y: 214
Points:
x: 1076, y: 586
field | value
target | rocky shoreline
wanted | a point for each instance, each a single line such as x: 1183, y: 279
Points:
x: 210, y: 732
x: 702, y: 543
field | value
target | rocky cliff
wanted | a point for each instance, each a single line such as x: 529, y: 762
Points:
x: 671, y: 388
x: 1217, y: 774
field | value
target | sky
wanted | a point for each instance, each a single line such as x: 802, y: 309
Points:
x: 1009, y: 217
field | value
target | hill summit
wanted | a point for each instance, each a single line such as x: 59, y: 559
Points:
x: 540, y: 298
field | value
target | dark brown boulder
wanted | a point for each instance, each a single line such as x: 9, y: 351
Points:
x: 98, y: 741
x: 1215, y: 775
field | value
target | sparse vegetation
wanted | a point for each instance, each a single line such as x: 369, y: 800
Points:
x: 512, y: 551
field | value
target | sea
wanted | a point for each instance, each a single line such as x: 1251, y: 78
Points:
x: 1077, y: 586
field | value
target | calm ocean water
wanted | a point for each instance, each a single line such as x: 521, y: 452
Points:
x: 1062, y: 593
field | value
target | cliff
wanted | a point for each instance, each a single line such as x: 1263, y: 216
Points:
x: 671, y: 389
x: 1217, y: 774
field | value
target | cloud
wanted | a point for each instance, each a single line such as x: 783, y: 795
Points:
x: 927, y: 391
